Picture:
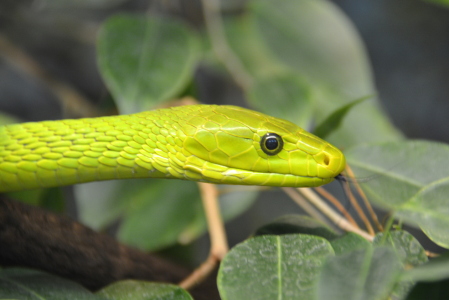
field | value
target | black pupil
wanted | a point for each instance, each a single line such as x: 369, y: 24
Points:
x: 271, y: 143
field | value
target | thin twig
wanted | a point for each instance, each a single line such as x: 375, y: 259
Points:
x: 358, y: 208
x: 200, y: 273
x: 336, y: 203
x: 362, y: 194
x: 70, y: 99
x: 331, y: 214
x: 306, y: 206
x: 432, y: 254
x: 214, y: 26
x: 219, y: 245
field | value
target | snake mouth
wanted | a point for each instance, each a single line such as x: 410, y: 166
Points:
x: 274, y: 179
x: 341, y: 177
x: 219, y: 174
x: 198, y: 169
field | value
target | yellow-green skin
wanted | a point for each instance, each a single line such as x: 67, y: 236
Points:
x: 218, y: 144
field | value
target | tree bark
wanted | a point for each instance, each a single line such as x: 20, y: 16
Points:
x: 34, y: 238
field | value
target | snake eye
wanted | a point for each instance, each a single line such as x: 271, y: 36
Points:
x: 271, y: 143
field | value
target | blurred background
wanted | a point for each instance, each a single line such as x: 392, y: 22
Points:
x: 47, y: 49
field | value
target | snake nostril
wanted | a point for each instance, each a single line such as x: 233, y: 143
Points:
x: 326, y: 160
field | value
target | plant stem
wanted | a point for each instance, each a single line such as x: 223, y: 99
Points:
x: 338, y: 220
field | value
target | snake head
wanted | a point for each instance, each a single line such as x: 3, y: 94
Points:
x: 233, y: 145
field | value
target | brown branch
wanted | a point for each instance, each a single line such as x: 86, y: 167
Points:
x: 34, y: 238
x: 365, y: 199
x: 336, y: 203
x: 358, y: 208
x: 219, y: 243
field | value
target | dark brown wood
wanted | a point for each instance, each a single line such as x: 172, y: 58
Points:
x: 34, y: 238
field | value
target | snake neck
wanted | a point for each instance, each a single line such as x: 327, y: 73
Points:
x: 55, y: 153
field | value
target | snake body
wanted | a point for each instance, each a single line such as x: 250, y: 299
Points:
x: 218, y: 144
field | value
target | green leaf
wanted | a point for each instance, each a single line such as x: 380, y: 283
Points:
x: 273, y: 267
x: 285, y: 96
x: 396, y: 171
x: 315, y: 40
x: 156, y: 216
x: 407, y: 247
x: 233, y: 201
x: 140, y: 290
x: 289, y: 224
x: 24, y: 284
x: 145, y: 60
x: 410, y: 178
x: 245, y: 41
x: 155, y: 213
x: 301, y: 35
x: 334, y: 120
x: 348, y: 243
x: 409, y: 251
x: 99, y: 203
x: 430, y: 210
x: 366, y: 274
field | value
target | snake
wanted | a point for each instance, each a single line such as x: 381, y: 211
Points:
x: 208, y: 143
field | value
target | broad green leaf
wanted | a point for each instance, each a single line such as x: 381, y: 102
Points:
x: 99, y: 203
x: 156, y: 216
x: 140, y: 290
x: 315, y: 40
x: 334, y: 120
x: 349, y: 242
x: 430, y: 210
x: 25, y: 284
x: 233, y: 201
x: 145, y: 60
x: 275, y: 90
x: 410, y: 178
x: 285, y: 96
x: 409, y: 251
x: 434, y: 270
x: 406, y: 246
x: 367, y: 274
x: 397, y: 171
x: 155, y: 213
x: 289, y: 224
x: 244, y: 40
x: 273, y: 267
